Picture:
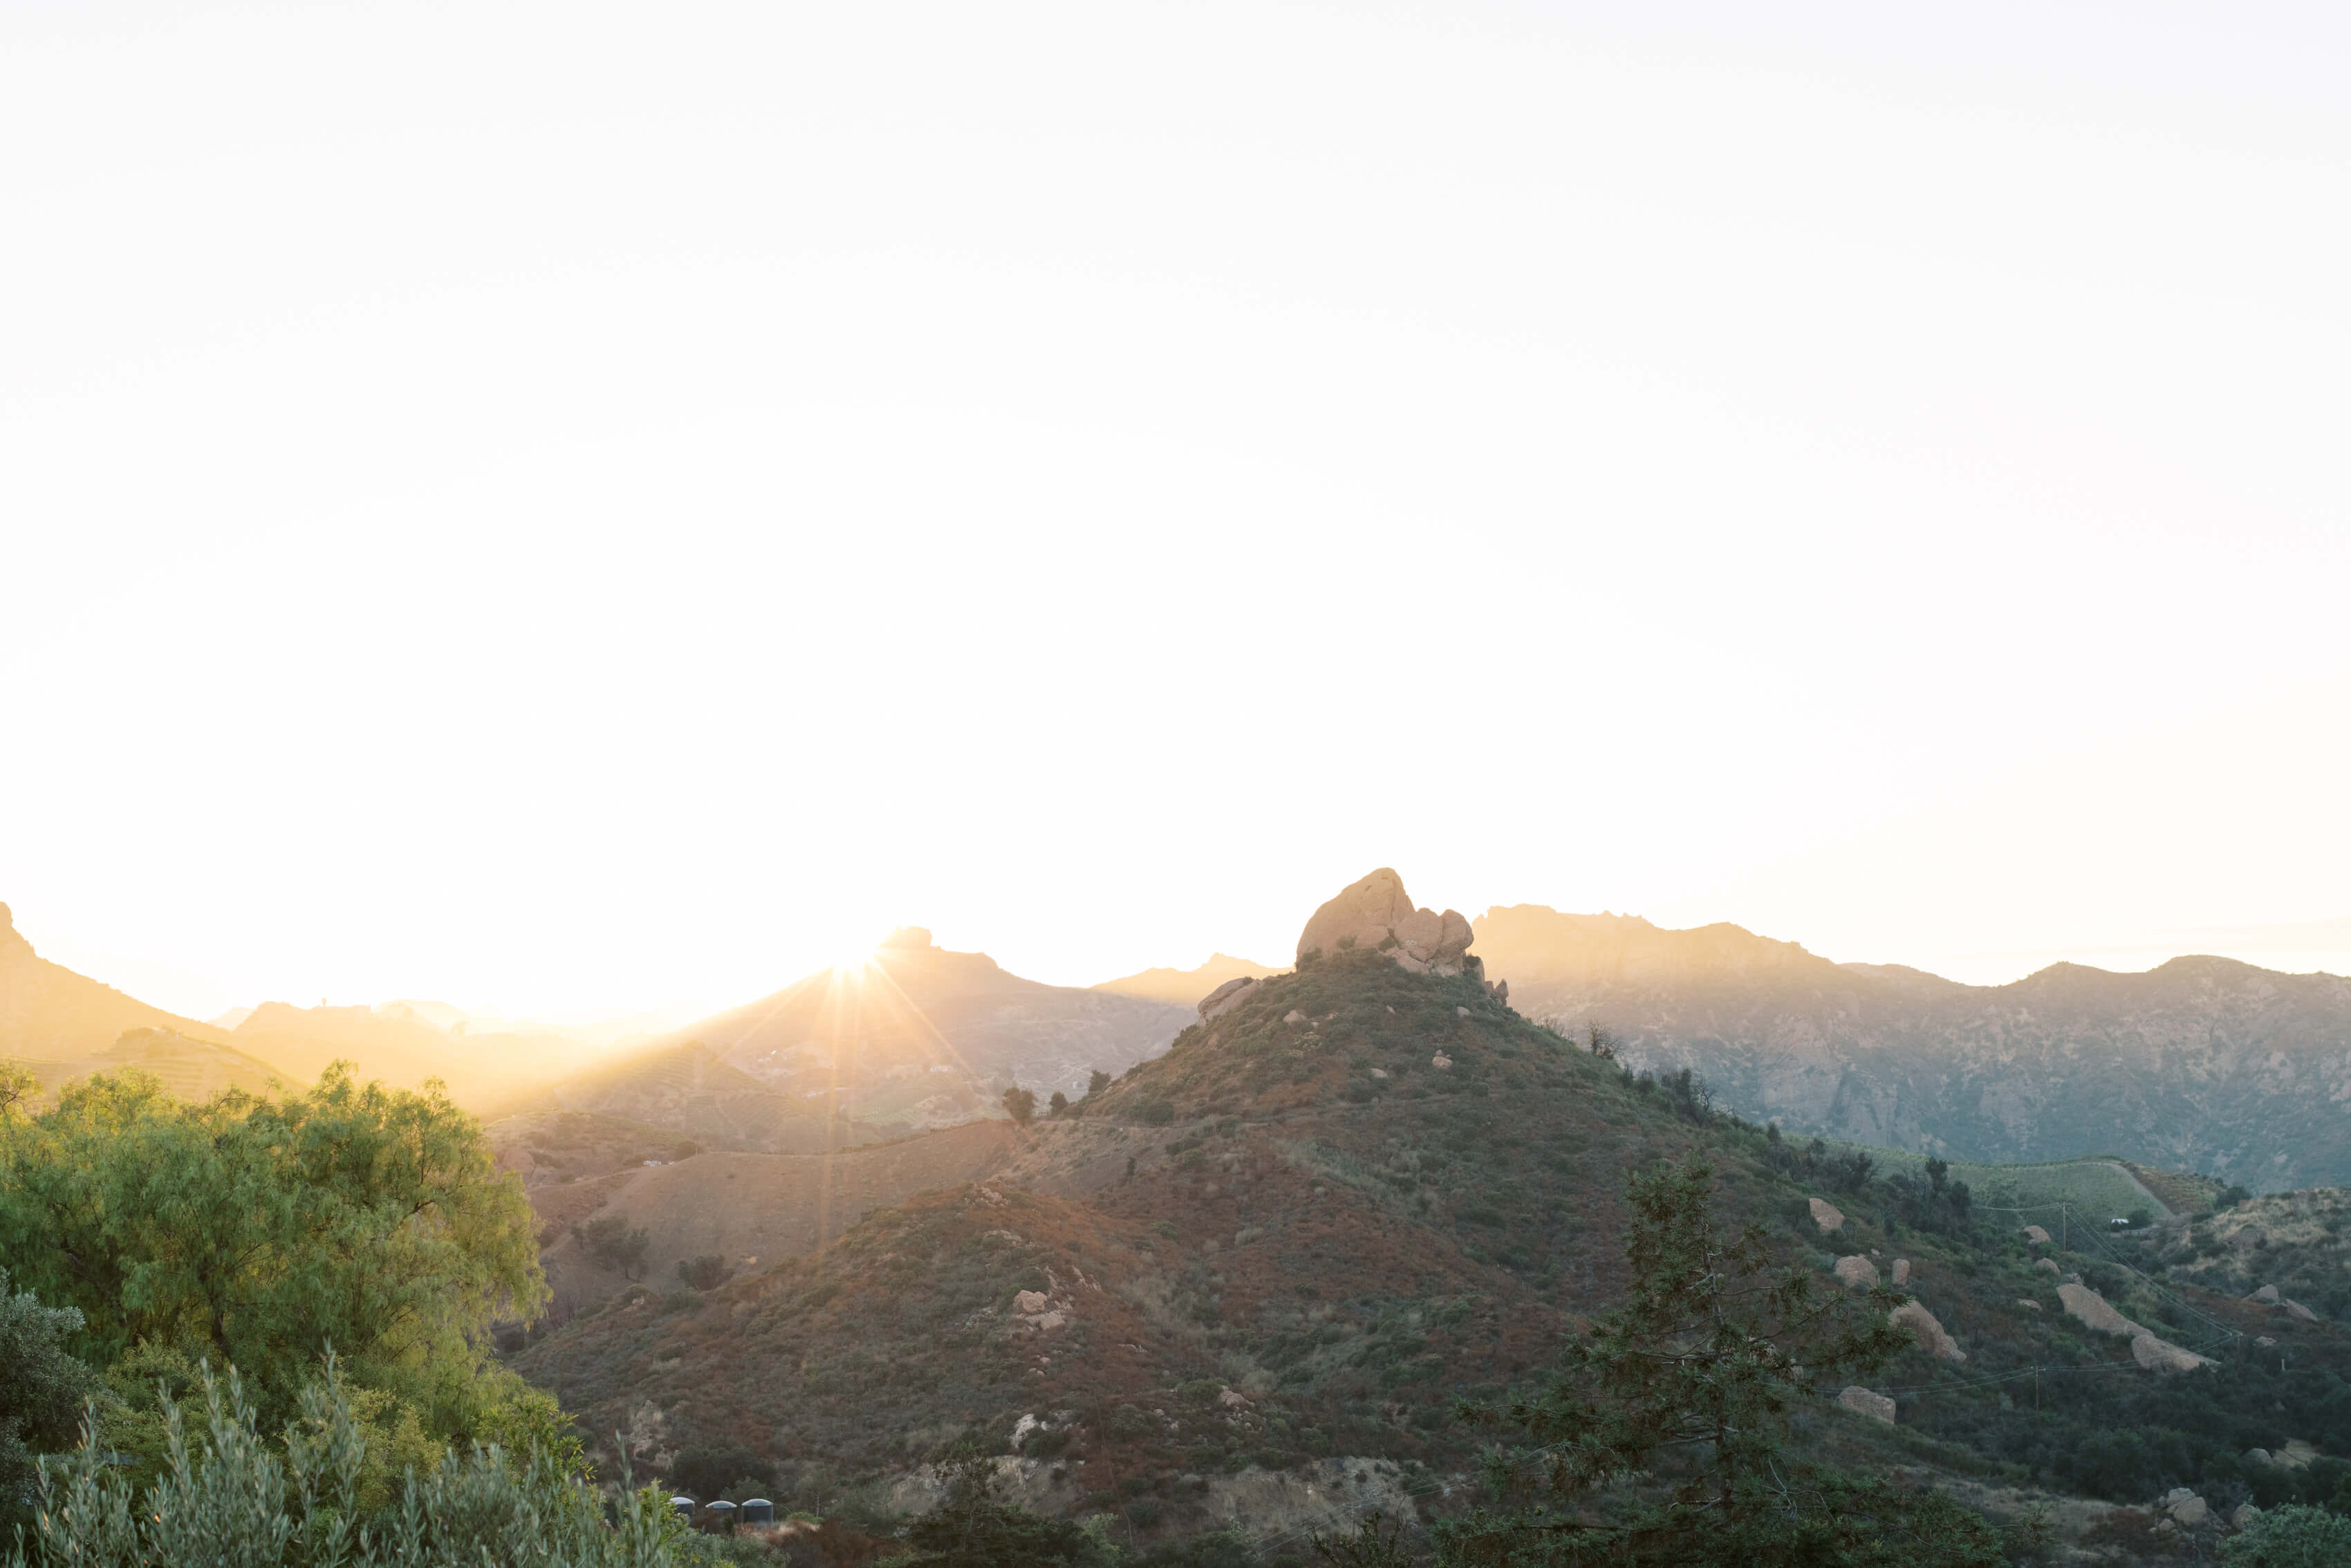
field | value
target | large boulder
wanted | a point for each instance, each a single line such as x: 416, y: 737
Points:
x: 1827, y: 1216
x: 1226, y: 997
x: 1857, y: 1273
x: 2163, y: 1356
x: 1901, y: 1273
x: 2187, y: 1509
x: 2267, y: 1295
x: 2036, y: 1236
x: 1377, y: 914
x: 2094, y: 1311
x: 1876, y: 1407
x: 1926, y: 1330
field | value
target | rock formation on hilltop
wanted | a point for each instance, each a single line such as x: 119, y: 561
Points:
x: 1376, y: 912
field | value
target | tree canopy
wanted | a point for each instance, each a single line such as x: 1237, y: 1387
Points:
x: 257, y: 1232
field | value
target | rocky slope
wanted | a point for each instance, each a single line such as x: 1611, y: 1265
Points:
x: 922, y: 1037
x: 2289, y: 1253
x: 2202, y: 1063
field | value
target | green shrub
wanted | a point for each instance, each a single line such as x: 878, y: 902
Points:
x: 228, y: 1496
x: 707, y: 1272
x: 41, y: 1388
x: 2290, y: 1537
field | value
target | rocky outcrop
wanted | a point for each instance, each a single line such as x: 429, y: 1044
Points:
x: 2150, y: 1350
x: 2094, y: 1311
x: 1927, y: 1330
x: 1226, y: 997
x: 1857, y: 1273
x: 1901, y: 1273
x: 2187, y: 1509
x: 2036, y: 1236
x: 1827, y: 1216
x: 1876, y: 1407
x: 1377, y: 914
x: 2267, y: 1295
x: 2046, y: 1265
x: 2163, y: 1356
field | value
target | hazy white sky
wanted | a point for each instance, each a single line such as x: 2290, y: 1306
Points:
x: 572, y: 506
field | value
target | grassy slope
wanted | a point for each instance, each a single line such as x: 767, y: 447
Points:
x: 1354, y: 1253
x: 2096, y: 1188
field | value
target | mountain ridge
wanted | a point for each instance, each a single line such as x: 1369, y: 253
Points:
x: 2202, y: 1062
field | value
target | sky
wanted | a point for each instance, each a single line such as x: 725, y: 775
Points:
x: 572, y: 508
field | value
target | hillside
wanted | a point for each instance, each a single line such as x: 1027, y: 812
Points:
x: 2203, y: 1064
x: 1352, y: 1198
x: 189, y: 1068
x: 686, y: 1089
x: 49, y: 1014
x: 920, y: 1036
x: 746, y: 1209
x: 63, y: 1025
x: 2296, y: 1244
x: 1183, y: 987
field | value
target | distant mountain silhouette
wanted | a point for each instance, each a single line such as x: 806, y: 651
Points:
x: 63, y: 1025
x: 2203, y: 1063
x: 1185, y: 988
x: 922, y: 1037
x: 48, y: 1013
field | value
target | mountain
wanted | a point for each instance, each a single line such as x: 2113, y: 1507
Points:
x: 49, y: 1014
x: 231, y: 1019
x: 63, y: 1025
x: 1183, y: 987
x: 921, y: 1037
x: 2202, y: 1063
x: 1244, y: 1288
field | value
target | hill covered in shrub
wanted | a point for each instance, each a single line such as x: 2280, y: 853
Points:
x: 1328, y: 1216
